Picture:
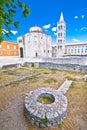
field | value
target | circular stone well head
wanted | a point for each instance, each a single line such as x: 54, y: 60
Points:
x: 45, y: 107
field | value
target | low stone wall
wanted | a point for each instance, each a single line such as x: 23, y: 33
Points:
x: 80, y: 60
x: 69, y: 67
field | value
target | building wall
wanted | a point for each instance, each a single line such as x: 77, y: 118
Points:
x: 76, y: 49
x: 54, y: 51
x: 9, y: 49
x: 35, y: 43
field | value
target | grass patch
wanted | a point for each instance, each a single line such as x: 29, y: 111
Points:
x: 43, y: 70
x: 70, y: 78
x: 60, y: 126
x: 45, y: 100
x: 32, y: 79
x: 46, y: 72
x: 53, y: 71
x: 50, y: 80
x: 85, y: 81
x: 72, y: 85
x: 0, y: 77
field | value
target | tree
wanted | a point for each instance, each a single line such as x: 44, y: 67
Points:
x: 7, y: 14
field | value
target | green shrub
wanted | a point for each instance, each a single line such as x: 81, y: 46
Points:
x: 32, y: 64
x: 45, y: 121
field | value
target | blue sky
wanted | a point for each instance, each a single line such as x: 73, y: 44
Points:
x: 46, y: 14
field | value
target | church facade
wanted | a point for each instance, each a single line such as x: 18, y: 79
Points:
x: 35, y: 44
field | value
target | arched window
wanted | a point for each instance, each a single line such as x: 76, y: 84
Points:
x: 58, y: 27
x: 60, y: 47
x: 61, y: 26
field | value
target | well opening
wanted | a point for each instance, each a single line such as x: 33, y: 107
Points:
x: 46, y: 98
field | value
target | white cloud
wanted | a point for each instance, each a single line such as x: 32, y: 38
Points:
x: 76, y: 17
x: 83, y: 29
x: 47, y: 26
x: 75, y: 40
x: 54, y: 29
x: 14, y: 32
x: 82, y: 16
x: 55, y: 34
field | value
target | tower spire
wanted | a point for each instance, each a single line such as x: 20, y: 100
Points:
x: 61, y: 17
x: 61, y: 35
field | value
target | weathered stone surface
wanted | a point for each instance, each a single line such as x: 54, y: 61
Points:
x: 64, y: 66
x: 45, y: 115
x: 65, y: 86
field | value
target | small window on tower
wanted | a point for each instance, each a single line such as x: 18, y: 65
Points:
x: 20, y: 41
x: 61, y: 27
x: 58, y: 27
x: 60, y: 41
x: 58, y: 34
x: 58, y: 47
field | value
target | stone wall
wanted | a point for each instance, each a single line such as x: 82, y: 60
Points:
x: 67, y: 60
x: 69, y: 67
x: 78, y: 64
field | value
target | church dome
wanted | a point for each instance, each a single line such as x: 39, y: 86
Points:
x: 35, y: 29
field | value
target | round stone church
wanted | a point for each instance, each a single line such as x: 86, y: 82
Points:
x: 35, y: 44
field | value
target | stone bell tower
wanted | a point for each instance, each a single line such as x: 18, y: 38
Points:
x: 61, y: 36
